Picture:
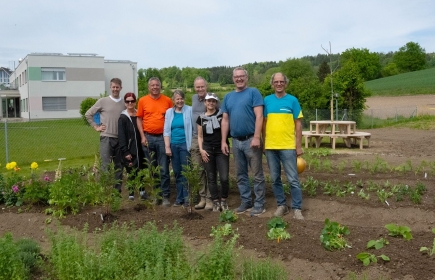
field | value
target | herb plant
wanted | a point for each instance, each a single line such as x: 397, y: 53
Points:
x: 227, y: 216
x: 332, y: 236
x: 277, y: 229
x: 396, y: 230
x: 430, y: 251
x: 367, y: 258
x: 377, y: 244
x: 224, y: 230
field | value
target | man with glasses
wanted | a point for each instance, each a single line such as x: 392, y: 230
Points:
x: 243, y: 119
x: 198, y: 108
x: 110, y: 109
x: 282, y: 131
x: 150, y: 122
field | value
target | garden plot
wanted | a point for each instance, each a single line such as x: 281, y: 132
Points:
x: 392, y: 182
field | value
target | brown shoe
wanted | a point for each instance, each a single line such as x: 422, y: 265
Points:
x: 208, y: 204
x: 201, y: 204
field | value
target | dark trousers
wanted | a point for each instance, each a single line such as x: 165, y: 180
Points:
x: 109, y: 151
x: 218, y: 162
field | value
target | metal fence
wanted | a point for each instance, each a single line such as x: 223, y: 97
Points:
x: 46, y: 140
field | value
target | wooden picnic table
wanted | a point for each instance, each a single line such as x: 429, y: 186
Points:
x: 333, y: 130
x: 344, y: 127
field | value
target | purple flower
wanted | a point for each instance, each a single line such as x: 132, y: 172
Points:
x: 15, y: 188
x: 46, y: 178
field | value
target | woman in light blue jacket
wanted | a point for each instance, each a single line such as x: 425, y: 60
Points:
x: 177, y: 133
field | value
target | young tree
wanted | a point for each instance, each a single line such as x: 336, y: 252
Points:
x: 350, y: 86
x: 410, y: 57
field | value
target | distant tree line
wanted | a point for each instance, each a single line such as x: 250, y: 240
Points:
x: 310, y: 76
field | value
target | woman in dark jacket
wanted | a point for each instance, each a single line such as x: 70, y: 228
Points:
x: 129, y: 141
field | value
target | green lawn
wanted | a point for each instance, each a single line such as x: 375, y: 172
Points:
x: 46, y: 141
x: 412, y: 83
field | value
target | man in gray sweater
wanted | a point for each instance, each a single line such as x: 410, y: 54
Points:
x: 110, y: 109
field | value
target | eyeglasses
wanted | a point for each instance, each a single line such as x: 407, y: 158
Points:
x: 239, y: 77
x: 130, y: 101
x: 278, y: 82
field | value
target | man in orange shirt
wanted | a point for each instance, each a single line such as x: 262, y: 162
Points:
x: 150, y: 121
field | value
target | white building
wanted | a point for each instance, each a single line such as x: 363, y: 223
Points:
x: 52, y: 85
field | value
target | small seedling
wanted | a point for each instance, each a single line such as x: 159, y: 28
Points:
x: 367, y: 258
x: 310, y: 186
x: 278, y: 234
x: 224, y: 230
x: 429, y: 251
x: 363, y: 195
x: 377, y: 244
x: 332, y: 236
x: 396, y: 230
x: 227, y: 216
x: 277, y: 230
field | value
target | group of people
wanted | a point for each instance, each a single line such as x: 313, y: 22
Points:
x: 164, y: 130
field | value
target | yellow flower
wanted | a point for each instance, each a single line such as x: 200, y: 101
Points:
x: 11, y: 165
x: 34, y: 165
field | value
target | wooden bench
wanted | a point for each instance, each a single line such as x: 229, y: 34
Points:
x: 348, y: 139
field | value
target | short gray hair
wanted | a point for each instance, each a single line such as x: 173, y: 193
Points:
x: 178, y: 92
x: 286, y: 80
x: 199, y: 78
x: 154, y: 79
x: 240, y: 68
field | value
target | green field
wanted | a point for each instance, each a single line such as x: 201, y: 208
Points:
x: 46, y: 141
x: 412, y: 83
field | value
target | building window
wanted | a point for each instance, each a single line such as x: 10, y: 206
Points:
x: 53, y: 74
x: 54, y: 103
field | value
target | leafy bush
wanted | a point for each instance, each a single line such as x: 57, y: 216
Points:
x: 85, y: 105
x: 37, y: 191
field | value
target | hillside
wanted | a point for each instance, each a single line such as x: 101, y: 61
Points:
x: 411, y: 83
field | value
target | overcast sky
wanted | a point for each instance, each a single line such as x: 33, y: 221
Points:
x: 206, y: 33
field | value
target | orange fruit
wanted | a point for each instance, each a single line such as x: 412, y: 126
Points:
x: 301, y: 165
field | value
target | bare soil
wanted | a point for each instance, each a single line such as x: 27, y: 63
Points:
x: 302, y: 255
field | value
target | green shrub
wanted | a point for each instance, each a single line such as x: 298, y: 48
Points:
x: 17, y: 259
x: 86, y: 104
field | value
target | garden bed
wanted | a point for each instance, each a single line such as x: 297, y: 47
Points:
x: 396, y: 158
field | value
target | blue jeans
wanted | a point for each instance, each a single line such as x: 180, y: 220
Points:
x: 180, y: 158
x: 244, y: 156
x: 218, y: 162
x: 156, y: 148
x: 288, y: 159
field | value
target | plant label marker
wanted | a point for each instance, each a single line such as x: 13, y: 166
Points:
x: 425, y: 175
x: 387, y: 203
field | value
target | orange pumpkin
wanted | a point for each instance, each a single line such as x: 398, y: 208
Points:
x: 302, y: 164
